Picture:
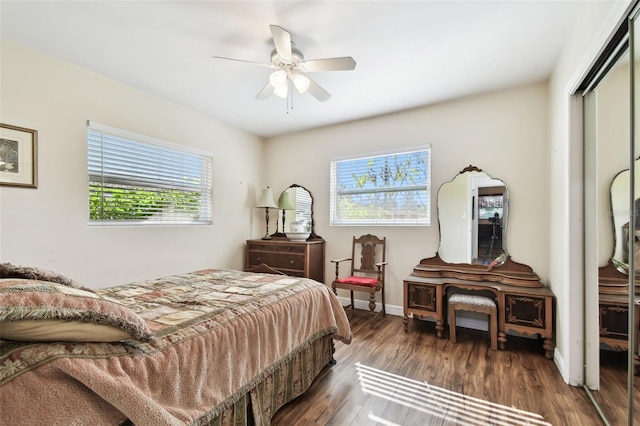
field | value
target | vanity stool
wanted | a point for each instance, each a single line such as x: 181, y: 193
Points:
x: 473, y: 303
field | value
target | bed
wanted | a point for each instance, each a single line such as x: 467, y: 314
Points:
x: 211, y: 347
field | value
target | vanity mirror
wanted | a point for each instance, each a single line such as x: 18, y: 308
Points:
x: 296, y: 213
x: 473, y: 210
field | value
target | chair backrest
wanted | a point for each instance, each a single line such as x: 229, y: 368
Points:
x: 367, y: 250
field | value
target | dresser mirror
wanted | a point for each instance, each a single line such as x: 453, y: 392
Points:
x: 473, y: 210
x: 296, y: 208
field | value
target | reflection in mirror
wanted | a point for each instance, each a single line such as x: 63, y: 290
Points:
x: 472, y: 214
x: 296, y: 205
x: 621, y: 213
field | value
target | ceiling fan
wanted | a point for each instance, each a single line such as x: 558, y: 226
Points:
x: 292, y: 68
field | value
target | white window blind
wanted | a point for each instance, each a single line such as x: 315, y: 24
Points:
x: 391, y: 188
x: 136, y: 179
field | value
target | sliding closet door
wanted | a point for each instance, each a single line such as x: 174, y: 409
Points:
x: 610, y: 182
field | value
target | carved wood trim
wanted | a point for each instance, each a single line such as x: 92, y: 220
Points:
x: 512, y: 273
x: 612, y: 281
x: 470, y: 168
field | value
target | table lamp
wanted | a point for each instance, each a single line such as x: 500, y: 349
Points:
x: 266, y: 202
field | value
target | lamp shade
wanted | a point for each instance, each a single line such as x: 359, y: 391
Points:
x: 284, y: 202
x: 266, y: 200
x: 280, y: 82
x: 301, y: 82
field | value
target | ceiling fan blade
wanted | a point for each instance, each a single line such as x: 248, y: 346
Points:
x: 241, y: 60
x: 318, y: 92
x: 265, y: 92
x: 282, y: 40
x: 346, y: 63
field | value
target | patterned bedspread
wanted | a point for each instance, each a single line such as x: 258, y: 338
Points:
x: 218, y: 333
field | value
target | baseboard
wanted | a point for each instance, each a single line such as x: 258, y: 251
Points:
x: 470, y: 320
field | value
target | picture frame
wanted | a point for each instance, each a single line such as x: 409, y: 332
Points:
x: 18, y: 156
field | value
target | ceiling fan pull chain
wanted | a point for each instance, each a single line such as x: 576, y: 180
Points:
x: 289, y: 95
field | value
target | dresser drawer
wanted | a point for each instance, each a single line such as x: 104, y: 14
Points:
x: 282, y: 249
x: 277, y: 260
x: 291, y: 249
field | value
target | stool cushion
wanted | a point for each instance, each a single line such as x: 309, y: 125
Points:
x: 471, y: 299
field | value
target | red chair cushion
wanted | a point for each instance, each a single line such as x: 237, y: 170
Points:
x: 365, y: 281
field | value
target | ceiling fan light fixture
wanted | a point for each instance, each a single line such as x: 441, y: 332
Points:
x: 301, y: 82
x: 281, y: 91
x: 278, y: 79
x: 291, y: 68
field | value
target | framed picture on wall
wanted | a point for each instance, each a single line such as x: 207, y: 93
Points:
x: 18, y: 156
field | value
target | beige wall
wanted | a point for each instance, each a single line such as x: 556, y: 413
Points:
x: 48, y: 226
x: 504, y: 133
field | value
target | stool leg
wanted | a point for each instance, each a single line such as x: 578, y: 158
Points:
x: 493, y: 329
x: 452, y: 324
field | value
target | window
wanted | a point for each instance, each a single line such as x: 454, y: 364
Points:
x: 489, y: 206
x: 391, y: 188
x: 136, y: 179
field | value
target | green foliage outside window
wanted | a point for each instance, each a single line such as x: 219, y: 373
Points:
x: 384, y: 187
x: 114, y: 203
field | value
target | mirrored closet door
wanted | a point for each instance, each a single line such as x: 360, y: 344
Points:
x: 612, y: 230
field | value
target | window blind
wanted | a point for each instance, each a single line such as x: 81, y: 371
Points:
x: 136, y: 179
x: 391, y: 188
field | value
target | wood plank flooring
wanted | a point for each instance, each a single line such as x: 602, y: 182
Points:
x: 519, y: 377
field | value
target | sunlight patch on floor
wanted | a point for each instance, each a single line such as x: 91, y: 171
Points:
x: 439, y: 402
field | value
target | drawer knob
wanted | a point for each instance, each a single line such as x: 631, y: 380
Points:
x: 292, y: 262
x: 258, y: 259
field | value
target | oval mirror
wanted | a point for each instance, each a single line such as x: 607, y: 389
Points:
x: 296, y: 205
x: 473, y: 210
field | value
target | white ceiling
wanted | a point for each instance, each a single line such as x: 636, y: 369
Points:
x: 408, y: 53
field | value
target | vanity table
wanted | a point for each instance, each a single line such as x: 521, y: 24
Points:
x: 524, y: 304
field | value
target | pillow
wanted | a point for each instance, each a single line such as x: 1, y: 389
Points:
x: 54, y: 330
x: 27, y: 302
x: 8, y: 270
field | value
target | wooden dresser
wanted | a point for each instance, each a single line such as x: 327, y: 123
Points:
x: 524, y: 304
x: 295, y: 258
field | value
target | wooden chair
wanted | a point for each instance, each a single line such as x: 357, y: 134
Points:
x: 368, y: 274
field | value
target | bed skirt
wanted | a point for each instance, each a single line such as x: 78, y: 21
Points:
x: 278, y: 386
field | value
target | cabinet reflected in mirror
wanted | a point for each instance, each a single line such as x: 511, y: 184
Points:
x: 473, y: 211
x: 295, y: 212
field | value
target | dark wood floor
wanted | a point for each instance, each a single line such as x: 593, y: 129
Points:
x: 519, y: 377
